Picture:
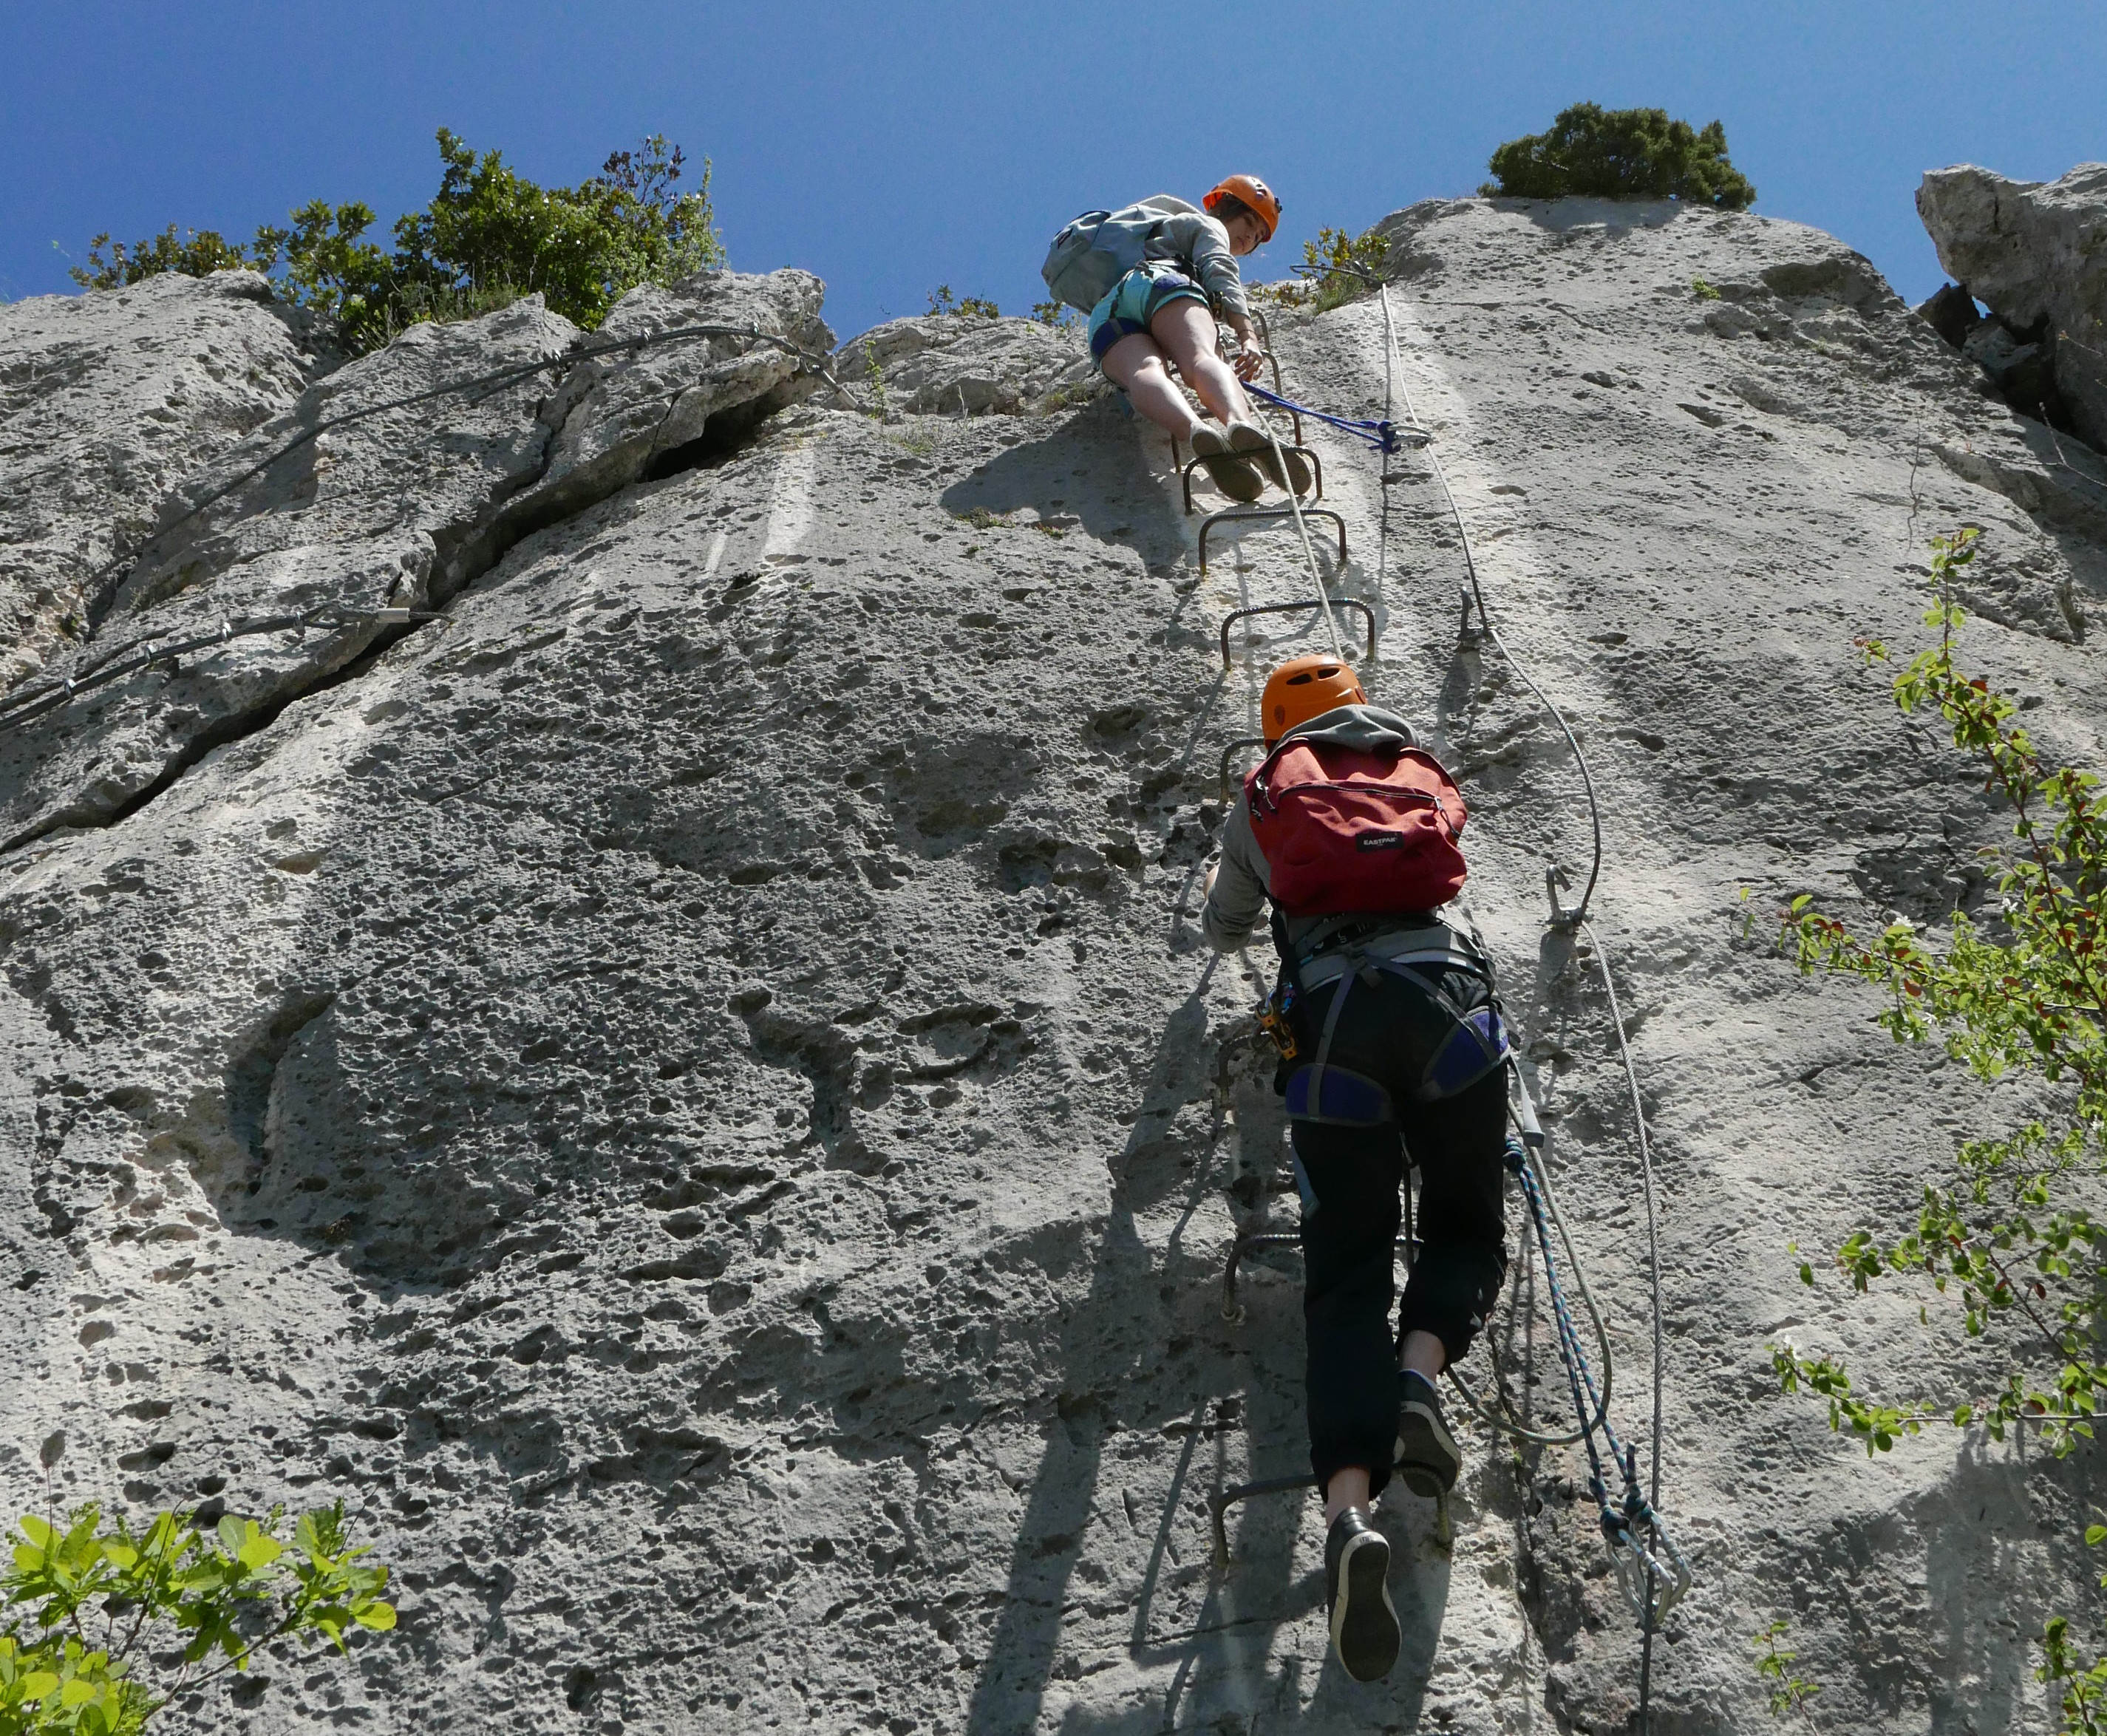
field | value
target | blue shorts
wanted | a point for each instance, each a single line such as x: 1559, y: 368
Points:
x: 1134, y: 300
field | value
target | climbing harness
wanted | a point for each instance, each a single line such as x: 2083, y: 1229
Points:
x: 1652, y: 1572
x: 27, y: 702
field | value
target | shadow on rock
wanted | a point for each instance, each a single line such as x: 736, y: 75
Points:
x: 1092, y: 471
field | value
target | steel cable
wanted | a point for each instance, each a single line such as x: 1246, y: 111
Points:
x: 498, y: 377
x: 23, y: 707
x: 1575, y: 920
x: 1309, y: 548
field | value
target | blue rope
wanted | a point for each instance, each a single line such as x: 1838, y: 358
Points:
x: 1380, y: 434
x: 1636, y: 1510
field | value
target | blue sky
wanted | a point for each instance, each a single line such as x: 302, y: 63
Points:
x: 893, y: 148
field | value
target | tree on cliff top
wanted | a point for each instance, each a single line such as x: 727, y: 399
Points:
x: 488, y: 236
x: 1602, y: 153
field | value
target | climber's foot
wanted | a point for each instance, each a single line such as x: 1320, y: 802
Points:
x: 1230, y: 471
x: 1364, y: 1629
x: 1428, y: 1456
x: 1248, y: 437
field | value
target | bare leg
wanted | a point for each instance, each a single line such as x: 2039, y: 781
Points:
x: 1423, y: 1354
x: 1186, y: 330
x: 1135, y: 365
x: 1348, y: 1487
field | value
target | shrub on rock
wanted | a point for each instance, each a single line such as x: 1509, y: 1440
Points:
x: 1600, y: 153
x: 489, y: 236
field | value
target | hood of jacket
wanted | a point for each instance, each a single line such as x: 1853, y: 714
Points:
x: 1361, y: 729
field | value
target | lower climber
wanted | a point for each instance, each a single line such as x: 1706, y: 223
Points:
x: 1395, y: 1052
x: 1175, y: 264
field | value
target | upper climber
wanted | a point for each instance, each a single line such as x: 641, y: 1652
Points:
x: 1151, y: 278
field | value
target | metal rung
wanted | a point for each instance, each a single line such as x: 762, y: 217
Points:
x: 1219, y: 1505
x: 1265, y: 514
x: 1235, y: 615
x: 1316, y: 464
x: 1230, y: 753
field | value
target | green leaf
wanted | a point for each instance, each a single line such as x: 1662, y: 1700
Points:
x: 379, y: 1617
x: 259, y: 1551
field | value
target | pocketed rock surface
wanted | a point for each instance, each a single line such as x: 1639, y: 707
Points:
x: 688, y: 1091
x: 107, y: 402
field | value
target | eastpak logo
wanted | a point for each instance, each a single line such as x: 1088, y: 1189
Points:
x: 1380, y: 841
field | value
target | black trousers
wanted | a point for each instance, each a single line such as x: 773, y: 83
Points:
x: 1386, y: 1031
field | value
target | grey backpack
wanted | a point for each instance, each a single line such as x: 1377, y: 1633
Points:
x: 1094, y: 251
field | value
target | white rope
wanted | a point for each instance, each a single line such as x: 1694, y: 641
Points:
x: 1309, y: 548
x: 1493, y: 632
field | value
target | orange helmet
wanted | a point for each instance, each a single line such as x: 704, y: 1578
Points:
x: 1253, y: 192
x: 1306, y: 687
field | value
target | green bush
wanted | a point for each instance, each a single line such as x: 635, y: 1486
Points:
x: 115, y: 1623
x: 1333, y: 263
x: 1621, y: 154
x: 968, y: 306
x: 488, y: 236
x: 200, y: 254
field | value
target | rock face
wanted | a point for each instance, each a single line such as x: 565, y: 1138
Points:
x: 2035, y: 252
x: 951, y: 364
x: 106, y: 402
x: 689, y: 1092
x: 378, y: 492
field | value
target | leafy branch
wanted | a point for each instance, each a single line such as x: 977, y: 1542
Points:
x: 488, y: 236
x: 2013, y: 1231
x: 96, y: 1600
x: 1788, y: 1693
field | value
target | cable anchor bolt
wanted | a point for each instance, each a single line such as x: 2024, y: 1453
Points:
x: 1562, y: 919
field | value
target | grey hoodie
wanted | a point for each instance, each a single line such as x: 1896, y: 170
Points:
x: 1241, y: 883
x: 1196, y: 242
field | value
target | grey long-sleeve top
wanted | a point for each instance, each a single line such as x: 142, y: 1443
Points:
x: 1241, y: 883
x: 1191, y: 238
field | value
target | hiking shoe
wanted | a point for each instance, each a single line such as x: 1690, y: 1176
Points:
x: 1229, y: 471
x: 1364, y: 1629
x: 1428, y: 1456
x: 1246, y: 437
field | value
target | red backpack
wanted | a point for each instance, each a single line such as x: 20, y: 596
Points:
x: 1346, y: 830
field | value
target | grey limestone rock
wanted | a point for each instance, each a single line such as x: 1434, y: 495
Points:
x: 381, y: 489
x: 689, y: 1092
x: 951, y: 364
x: 106, y: 402
x: 619, y: 416
x: 2035, y: 254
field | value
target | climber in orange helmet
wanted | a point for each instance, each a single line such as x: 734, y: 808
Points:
x: 1394, y: 1044
x: 1151, y: 276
